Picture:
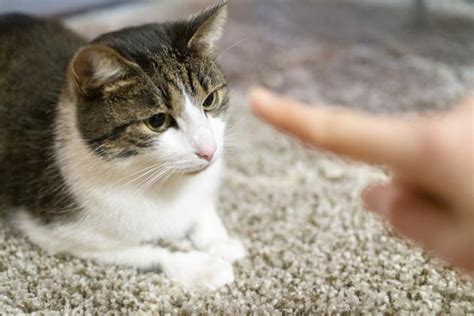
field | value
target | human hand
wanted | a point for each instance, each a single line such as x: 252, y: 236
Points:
x: 430, y: 197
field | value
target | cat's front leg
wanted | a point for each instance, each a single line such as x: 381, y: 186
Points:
x: 193, y: 270
x: 210, y: 235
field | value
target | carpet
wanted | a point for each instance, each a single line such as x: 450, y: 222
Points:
x: 312, y: 248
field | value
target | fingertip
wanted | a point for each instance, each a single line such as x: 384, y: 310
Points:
x: 256, y: 91
x: 260, y: 99
x: 261, y: 94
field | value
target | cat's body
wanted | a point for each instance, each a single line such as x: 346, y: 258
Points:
x: 34, y: 56
x: 129, y: 152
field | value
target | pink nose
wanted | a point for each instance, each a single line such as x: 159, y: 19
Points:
x: 204, y: 143
x: 206, y: 153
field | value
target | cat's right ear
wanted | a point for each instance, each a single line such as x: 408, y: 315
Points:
x: 94, y: 66
x: 207, y: 27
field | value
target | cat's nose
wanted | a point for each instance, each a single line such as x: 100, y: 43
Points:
x: 204, y: 144
x: 206, y: 154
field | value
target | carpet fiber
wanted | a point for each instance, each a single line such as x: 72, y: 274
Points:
x: 312, y: 248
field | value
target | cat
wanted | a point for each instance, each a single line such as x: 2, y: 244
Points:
x: 110, y: 145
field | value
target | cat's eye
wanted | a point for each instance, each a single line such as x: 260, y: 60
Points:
x: 158, y: 122
x: 211, y: 102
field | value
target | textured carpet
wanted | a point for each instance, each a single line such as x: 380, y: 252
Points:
x: 312, y: 247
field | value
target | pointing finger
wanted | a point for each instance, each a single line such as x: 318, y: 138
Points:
x: 370, y: 138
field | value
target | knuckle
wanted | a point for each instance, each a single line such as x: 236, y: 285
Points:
x: 396, y: 206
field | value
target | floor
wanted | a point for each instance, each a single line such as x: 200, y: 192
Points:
x: 312, y: 247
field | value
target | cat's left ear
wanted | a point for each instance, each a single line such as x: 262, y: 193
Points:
x: 208, y: 27
x: 95, y: 65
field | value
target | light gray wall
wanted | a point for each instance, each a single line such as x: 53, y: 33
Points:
x: 49, y: 7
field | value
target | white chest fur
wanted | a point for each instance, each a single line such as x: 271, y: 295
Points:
x: 167, y: 211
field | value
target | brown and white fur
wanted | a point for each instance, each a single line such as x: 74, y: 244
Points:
x: 131, y: 154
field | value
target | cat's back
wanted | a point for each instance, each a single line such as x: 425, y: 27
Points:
x: 34, y: 54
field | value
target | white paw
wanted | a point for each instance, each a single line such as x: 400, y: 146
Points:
x: 198, y: 270
x: 228, y: 249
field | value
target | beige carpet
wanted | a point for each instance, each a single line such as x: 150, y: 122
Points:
x: 312, y: 247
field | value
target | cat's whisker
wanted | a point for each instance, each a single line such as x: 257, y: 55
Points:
x: 160, y: 178
x: 235, y: 44
x: 152, y: 172
x: 170, y: 173
x: 137, y: 182
x: 230, y: 150
x: 140, y: 173
x: 231, y: 136
x: 230, y: 140
x: 149, y: 177
x: 234, y: 126
x: 144, y: 185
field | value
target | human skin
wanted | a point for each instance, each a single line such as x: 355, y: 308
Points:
x: 430, y: 197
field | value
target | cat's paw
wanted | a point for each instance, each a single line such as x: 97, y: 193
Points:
x: 199, y: 271
x: 228, y: 249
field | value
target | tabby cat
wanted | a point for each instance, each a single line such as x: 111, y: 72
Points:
x: 110, y: 145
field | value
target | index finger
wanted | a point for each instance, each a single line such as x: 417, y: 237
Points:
x: 370, y: 138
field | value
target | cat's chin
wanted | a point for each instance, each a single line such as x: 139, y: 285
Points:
x: 192, y: 171
x: 196, y: 171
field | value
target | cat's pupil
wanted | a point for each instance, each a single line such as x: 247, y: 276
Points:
x: 157, y: 120
x: 209, y: 101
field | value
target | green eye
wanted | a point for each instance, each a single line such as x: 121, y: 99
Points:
x: 158, y: 122
x: 211, y: 102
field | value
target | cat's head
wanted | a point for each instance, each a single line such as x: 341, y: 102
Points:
x: 154, y: 93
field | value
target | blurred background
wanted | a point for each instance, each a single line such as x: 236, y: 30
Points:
x: 379, y: 55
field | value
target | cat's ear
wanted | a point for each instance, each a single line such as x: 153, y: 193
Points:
x: 208, y: 27
x: 95, y: 65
